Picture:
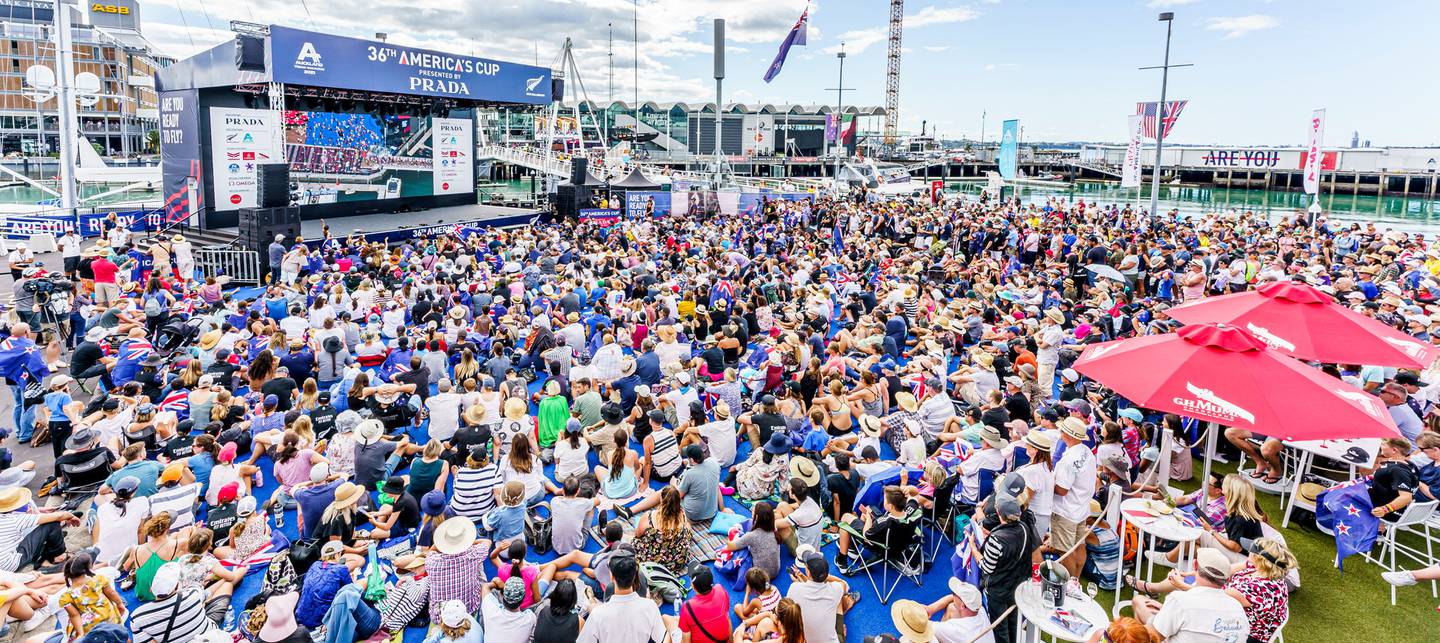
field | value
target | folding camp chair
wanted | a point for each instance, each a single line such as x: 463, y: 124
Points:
x: 902, y: 552
x: 940, y: 518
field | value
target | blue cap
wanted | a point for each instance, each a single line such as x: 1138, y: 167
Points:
x: 272, y: 400
x: 1133, y: 414
x: 127, y: 485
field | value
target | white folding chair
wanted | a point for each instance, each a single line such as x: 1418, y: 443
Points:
x: 1412, y: 519
x: 1433, y: 522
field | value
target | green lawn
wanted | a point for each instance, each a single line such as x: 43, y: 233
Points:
x: 1335, y: 606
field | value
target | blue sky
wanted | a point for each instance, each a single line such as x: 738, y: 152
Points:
x: 1066, y: 69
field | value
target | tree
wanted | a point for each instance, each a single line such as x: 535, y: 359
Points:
x: 152, y: 140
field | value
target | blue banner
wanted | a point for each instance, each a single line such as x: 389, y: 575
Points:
x: 637, y: 202
x: 1009, y: 148
x: 90, y: 224
x: 322, y: 60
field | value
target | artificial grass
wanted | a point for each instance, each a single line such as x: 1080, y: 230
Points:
x: 1335, y: 606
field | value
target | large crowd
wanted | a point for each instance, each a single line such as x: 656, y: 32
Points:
x: 704, y: 428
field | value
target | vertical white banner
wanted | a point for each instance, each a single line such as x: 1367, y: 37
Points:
x: 1130, y: 173
x: 453, y: 162
x: 241, y: 139
x: 1314, y: 157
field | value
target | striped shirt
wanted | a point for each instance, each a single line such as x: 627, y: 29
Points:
x: 153, y: 622
x: 474, y: 492
x: 665, y: 458
x: 14, y: 526
x: 403, y: 604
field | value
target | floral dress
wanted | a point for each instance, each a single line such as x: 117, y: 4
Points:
x: 1269, y: 601
x: 88, y: 598
x: 669, y: 549
x: 757, y: 480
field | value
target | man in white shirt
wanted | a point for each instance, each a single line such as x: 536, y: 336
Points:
x: 962, y: 615
x: 823, y: 599
x: 626, y: 618
x: 680, y: 396
x: 1074, y: 488
x: 444, y: 410
x: 500, y: 611
x: 70, y: 243
x: 1047, y: 357
x: 720, y: 436
x: 1199, y: 613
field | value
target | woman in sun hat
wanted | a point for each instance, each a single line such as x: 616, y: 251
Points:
x: 758, y: 476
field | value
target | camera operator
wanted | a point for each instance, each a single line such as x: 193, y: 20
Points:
x: 33, y: 293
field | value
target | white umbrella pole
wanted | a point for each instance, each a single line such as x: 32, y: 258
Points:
x: 1211, y: 431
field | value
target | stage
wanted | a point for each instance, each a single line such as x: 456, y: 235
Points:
x: 397, y: 226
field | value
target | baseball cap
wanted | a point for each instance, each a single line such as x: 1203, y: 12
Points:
x: 166, y: 579
x: 320, y: 472
x: 967, y: 593
x: 1013, y: 484
x: 452, y: 613
x: 228, y: 492
x: 514, y: 593
x: 1213, y: 564
x: 127, y: 484
x: 272, y: 400
x: 1007, y: 506
x: 1409, y: 378
x: 332, y: 548
x: 1133, y: 413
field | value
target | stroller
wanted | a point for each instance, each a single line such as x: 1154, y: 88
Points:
x: 178, y: 334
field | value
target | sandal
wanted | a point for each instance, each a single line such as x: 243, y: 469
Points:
x: 1140, y: 586
x: 1269, y: 480
x: 1257, y: 474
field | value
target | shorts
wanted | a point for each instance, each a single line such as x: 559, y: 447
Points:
x: 1065, y: 533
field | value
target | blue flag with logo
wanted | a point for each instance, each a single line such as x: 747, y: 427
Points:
x: 1345, y: 510
x: 1009, y: 148
x: 795, y: 37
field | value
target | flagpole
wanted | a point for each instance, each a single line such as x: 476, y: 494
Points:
x: 1169, y: 19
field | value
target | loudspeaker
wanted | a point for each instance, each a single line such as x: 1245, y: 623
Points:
x: 569, y: 199
x: 578, y: 165
x: 557, y: 89
x: 249, y: 53
x: 258, y: 226
x: 273, y: 185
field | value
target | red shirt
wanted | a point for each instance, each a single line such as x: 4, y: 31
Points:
x: 713, y: 613
x: 104, y: 270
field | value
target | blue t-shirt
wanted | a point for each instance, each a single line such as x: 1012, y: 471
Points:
x: 312, y: 501
x: 505, y: 523
x: 200, y: 465
x: 148, y: 471
x: 56, y: 401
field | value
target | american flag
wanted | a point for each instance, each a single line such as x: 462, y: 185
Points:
x: 1147, y: 112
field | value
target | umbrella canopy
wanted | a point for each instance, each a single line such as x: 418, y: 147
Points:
x: 1302, y: 321
x: 1225, y: 374
x: 1106, y: 272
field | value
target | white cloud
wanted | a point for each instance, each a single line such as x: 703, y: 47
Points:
x: 858, y: 40
x: 1166, y: 4
x: 936, y: 48
x: 1237, y: 26
x: 999, y: 66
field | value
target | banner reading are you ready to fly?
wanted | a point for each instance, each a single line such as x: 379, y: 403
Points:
x: 89, y: 224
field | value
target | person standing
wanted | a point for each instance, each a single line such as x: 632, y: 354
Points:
x: 70, y: 252
x: 276, y: 255
x: 1005, y: 561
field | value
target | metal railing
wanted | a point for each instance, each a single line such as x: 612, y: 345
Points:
x: 240, y: 265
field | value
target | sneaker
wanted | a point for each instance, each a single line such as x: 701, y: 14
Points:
x: 1159, y: 558
x: 624, y: 512
x: 854, y: 598
x: 1401, y: 578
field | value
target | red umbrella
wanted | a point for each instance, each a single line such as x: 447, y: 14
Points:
x: 1302, y: 321
x: 1224, y: 374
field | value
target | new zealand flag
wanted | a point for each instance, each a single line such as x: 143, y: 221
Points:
x: 1345, y: 510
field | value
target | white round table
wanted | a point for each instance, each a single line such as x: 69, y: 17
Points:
x: 1162, y: 527
x: 1034, y: 615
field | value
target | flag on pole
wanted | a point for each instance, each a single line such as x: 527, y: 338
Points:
x: 832, y: 127
x: 848, y: 135
x: 1130, y: 173
x: 1147, y: 111
x: 1315, y: 156
x: 1009, y: 148
x: 795, y: 37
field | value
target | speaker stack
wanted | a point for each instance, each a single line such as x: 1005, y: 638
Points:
x: 273, y: 185
x: 258, y: 226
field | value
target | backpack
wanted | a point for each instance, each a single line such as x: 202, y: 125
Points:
x: 152, y: 306
x: 661, y: 583
x: 538, y: 528
x: 280, y: 577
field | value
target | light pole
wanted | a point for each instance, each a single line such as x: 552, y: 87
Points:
x: 840, y: 90
x: 1168, y: 18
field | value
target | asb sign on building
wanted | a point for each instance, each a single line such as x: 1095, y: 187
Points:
x: 309, y: 58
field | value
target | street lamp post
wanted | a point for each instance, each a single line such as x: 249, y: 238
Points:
x: 1168, y: 18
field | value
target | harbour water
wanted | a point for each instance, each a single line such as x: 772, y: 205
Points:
x: 1411, y: 214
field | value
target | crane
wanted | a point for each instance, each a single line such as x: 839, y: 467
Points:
x: 892, y: 72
